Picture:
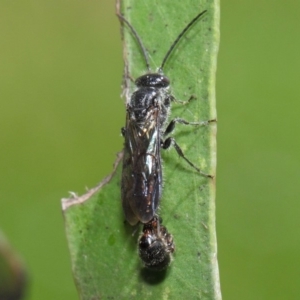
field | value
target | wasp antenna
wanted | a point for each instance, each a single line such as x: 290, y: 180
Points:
x: 179, y: 37
x: 144, y: 51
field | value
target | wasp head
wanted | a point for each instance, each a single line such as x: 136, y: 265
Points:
x: 152, y: 80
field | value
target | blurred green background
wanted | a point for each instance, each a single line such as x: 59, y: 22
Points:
x: 61, y: 114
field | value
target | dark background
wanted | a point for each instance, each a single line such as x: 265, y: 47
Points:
x: 61, y: 114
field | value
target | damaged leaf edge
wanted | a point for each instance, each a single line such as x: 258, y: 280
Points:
x: 76, y: 200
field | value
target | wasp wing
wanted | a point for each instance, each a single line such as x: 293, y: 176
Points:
x: 142, y: 174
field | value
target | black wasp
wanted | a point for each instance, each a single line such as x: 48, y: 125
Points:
x: 147, y: 112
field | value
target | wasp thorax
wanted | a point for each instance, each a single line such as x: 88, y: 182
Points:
x: 153, y: 80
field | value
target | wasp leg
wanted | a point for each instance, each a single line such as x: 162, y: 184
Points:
x: 171, y: 142
x: 172, y: 124
x: 123, y: 131
x: 192, y: 97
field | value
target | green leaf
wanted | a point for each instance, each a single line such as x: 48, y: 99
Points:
x: 103, y: 247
